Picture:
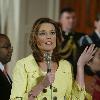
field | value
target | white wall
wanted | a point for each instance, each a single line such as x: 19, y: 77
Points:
x: 30, y: 11
x: 13, y: 29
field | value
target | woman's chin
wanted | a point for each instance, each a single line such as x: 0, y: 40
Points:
x: 48, y: 50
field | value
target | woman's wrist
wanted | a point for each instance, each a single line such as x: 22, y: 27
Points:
x: 31, y: 96
x: 80, y: 66
x: 36, y: 90
x: 41, y: 86
x: 80, y: 75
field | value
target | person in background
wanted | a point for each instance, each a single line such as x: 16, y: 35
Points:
x: 96, y: 34
x: 5, y: 57
x: 44, y: 75
x: 94, y: 37
x: 92, y: 74
x: 71, y: 38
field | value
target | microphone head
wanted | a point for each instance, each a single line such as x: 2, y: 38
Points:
x: 47, y: 56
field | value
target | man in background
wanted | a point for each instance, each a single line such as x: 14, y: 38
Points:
x: 94, y: 37
x: 71, y: 38
x: 5, y: 57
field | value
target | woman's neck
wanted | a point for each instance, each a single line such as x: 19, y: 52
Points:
x: 49, y: 52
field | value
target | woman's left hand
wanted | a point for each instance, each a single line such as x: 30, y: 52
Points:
x: 87, y: 55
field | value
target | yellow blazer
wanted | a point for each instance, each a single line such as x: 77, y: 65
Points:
x: 27, y: 74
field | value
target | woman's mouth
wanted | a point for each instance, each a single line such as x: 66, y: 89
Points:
x: 48, y: 43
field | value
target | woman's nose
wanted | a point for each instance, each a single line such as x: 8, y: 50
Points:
x: 48, y: 36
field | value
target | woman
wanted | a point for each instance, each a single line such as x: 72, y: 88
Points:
x: 31, y: 78
x: 92, y: 75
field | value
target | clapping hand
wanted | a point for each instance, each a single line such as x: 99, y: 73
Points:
x: 87, y: 55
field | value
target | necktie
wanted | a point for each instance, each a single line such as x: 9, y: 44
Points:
x: 5, y: 73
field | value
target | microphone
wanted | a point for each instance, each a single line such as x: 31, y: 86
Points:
x: 48, y: 58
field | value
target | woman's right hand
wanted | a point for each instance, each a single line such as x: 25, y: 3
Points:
x: 48, y: 79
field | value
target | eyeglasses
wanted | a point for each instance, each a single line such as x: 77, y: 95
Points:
x: 7, y: 47
x: 42, y: 33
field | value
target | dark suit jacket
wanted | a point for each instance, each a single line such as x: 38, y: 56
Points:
x: 72, y: 57
x: 76, y: 38
x: 95, y: 38
x: 5, y: 87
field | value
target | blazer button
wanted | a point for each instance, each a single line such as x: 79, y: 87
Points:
x: 54, y: 98
x: 44, y: 90
x: 44, y: 98
x: 54, y: 89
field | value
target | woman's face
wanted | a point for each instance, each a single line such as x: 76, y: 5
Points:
x: 46, y: 38
x: 95, y: 63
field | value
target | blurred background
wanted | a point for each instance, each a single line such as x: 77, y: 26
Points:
x: 17, y: 17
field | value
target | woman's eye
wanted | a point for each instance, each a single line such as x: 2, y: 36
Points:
x: 42, y: 33
x: 53, y: 33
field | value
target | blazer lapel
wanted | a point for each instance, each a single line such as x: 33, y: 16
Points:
x: 95, y: 38
x: 8, y: 80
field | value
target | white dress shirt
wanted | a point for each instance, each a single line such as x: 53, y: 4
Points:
x: 1, y: 67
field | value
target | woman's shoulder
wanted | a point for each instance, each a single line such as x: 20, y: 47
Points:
x: 28, y: 63
x: 27, y: 59
x: 65, y: 64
